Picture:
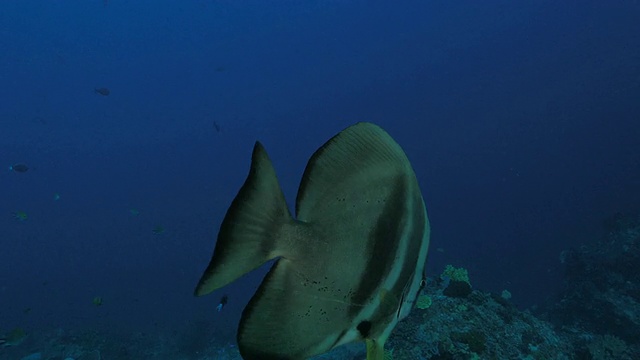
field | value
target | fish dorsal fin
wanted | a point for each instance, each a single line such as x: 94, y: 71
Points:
x: 361, y: 151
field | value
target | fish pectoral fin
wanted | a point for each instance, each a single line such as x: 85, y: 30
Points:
x: 389, y: 303
x: 249, y: 232
x: 375, y: 349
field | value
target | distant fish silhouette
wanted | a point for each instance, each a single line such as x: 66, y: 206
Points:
x: 102, y: 91
x: 222, y: 303
x: 158, y: 230
x: 216, y: 126
x: 21, y: 168
x: 20, y: 215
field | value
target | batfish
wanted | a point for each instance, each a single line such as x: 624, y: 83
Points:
x: 348, y: 266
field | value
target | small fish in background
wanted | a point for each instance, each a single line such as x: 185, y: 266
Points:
x: 20, y: 215
x: 56, y: 197
x: 158, y: 230
x: 134, y: 212
x: 222, y: 303
x: 97, y: 301
x: 20, y: 168
x: 102, y: 91
x: 216, y: 126
x: 13, y: 338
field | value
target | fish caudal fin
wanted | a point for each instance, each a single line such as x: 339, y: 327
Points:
x: 249, y: 231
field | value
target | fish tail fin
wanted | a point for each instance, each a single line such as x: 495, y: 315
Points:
x: 375, y: 350
x: 249, y: 232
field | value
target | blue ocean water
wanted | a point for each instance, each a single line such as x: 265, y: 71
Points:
x: 521, y: 120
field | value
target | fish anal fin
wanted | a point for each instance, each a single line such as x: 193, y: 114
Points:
x: 296, y: 313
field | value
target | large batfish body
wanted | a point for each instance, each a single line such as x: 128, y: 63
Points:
x: 350, y: 264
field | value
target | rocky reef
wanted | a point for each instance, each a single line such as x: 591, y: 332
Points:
x: 595, y: 317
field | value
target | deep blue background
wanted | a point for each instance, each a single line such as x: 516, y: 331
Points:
x: 521, y: 118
